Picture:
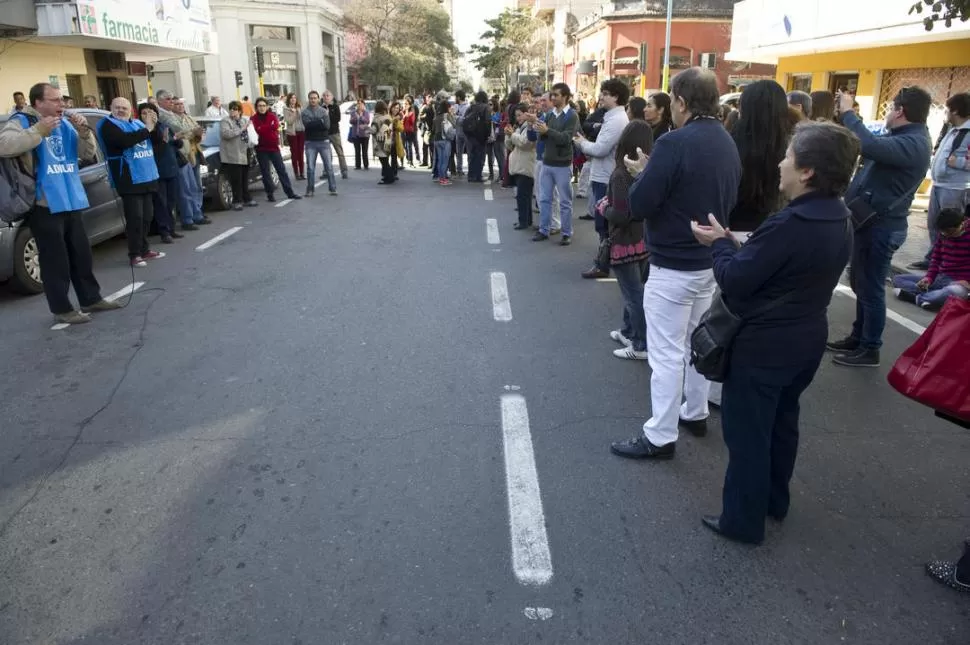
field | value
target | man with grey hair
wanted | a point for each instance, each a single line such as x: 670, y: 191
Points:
x: 171, y: 112
x: 694, y: 171
x: 215, y: 109
x: 802, y: 101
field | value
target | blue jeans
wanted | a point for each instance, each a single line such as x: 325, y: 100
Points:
x: 523, y: 198
x: 629, y: 277
x: 275, y: 159
x: 322, y: 148
x: 759, y: 421
x: 942, y: 288
x: 872, y: 253
x: 941, y: 198
x: 442, y: 153
x: 190, y: 196
x: 556, y: 177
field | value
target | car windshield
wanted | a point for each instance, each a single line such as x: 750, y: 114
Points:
x: 210, y: 139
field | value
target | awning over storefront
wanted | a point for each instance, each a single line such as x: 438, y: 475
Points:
x: 148, y: 30
x: 626, y: 60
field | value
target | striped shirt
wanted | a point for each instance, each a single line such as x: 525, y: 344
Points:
x: 951, y: 257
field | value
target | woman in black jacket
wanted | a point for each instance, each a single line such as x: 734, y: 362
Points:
x: 790, y: 265
x: 657, y: 114
x: 628, y: 251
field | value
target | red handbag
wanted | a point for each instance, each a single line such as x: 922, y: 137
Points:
x: 935, y: 370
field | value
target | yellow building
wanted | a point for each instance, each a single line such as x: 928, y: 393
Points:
x: 869, y: 47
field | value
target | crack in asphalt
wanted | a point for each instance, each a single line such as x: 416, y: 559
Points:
x: 85, y: 422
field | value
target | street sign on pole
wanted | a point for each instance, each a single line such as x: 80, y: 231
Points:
x: 666, y: 78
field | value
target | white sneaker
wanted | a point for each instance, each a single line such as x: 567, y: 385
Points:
x: 630, y: 354
x: 618, y: 336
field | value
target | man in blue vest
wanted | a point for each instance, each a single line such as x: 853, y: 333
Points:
x: 131, y: 162
x: 51, y: 146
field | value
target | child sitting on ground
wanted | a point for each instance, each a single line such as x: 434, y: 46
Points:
x: 949, y: 273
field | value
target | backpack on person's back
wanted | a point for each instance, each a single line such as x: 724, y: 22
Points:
x: 17, y: 187
x: 477, y: 123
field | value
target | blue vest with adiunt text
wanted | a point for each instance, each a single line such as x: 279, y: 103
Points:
x: 139, y: 159
x: 56, y: 167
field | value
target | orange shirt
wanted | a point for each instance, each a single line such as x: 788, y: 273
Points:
x: 248, y: 109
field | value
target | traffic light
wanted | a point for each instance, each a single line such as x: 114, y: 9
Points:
x: 239, y: 80
x: 150, y: 71
x: 260, y: 63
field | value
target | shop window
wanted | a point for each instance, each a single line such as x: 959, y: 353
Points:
x: 940, y: 82
x: 800, y: 82
x: 266, y: 32
x: 844, y: 83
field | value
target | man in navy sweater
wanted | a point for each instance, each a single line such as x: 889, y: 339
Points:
x: 895, y: 164
x: 693, y: 171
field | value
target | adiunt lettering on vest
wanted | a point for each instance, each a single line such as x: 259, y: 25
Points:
x: 60, y: 168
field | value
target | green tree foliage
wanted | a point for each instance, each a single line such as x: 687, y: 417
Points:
x: 408, y: 42
x: 946, y: 11
x: 507, y: 44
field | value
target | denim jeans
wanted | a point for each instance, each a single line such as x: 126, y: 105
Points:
x: 476, y: 159
x: 537, y: 197
x: 266, y: 159
x: 942, y: 288
x: 673, y: 303
x: 190, y: 195
x: 523, y: 198
x: 629, y: 277
x: 872, y: 253
x: 759, y: 421
x: 941, y: 198
x: 322, y: 148
x: 556, y: 178
x: 442, y: 149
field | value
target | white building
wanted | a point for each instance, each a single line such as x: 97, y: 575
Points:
x: 97, y: 47
x: 303, y: 50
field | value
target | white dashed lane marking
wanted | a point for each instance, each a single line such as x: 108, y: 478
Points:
x: 125, y: 291
x: 283, y: 203
x: 501, y: 307
x: 488, y: 195
x: 531, y: 559
x: 220, y: 237
x: 491, y: 229
x: 892, y: 315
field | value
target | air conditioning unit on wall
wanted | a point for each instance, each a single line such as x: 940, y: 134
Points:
x: 708, y: 61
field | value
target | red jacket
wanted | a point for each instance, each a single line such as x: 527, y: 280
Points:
x: 267, y: 128
x: 409, y: 122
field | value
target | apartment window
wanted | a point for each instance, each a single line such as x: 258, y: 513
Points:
x: 265, y: 32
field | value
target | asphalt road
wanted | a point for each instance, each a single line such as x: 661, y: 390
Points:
x: 306, y: 434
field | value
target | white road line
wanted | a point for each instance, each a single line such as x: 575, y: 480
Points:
x: 501, y: 307
x: 491, y: 229
x: 125, y: 291
x: 60, y: 326
x: 488, y: 195
x: 606, y: 279
x: 283, y: 203
x: 892, y: 315
x: 218, y: 238
x: 531, y: 560
x: 320, y: 183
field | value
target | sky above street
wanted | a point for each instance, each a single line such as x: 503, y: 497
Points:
x: 470, y: 17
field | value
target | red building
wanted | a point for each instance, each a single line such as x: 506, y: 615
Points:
x: 607, y: 44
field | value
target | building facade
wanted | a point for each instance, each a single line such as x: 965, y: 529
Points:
x: 607, y: 45
x: 872, y: 48
x: 97, y: 47
x: 303, y: 49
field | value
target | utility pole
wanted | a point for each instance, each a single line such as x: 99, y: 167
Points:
x: 666, y: 79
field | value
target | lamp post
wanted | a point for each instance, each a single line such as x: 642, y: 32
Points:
x: 666, y: 78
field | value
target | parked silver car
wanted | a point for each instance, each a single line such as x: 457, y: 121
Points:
x: 104, y: 219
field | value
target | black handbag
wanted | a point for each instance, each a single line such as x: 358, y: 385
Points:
x: 710, y: 344
x: 863, y: 214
